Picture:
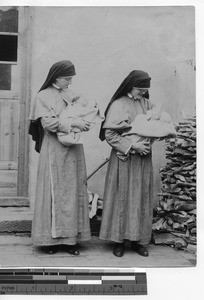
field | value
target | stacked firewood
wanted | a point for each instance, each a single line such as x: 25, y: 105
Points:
x: 175, y: 215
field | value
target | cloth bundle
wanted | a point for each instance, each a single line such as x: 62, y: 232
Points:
x: 80, y: 109
x: 148, y: 128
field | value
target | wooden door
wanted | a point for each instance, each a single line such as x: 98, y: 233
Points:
x: 14, y: 101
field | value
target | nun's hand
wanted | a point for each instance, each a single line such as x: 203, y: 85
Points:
x: 81, y: 124
x: 143, y: 148
x: 86, y: 125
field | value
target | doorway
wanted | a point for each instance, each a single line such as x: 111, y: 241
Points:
x: 15, y: 51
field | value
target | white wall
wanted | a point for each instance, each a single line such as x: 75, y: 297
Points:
x: 105, y: 44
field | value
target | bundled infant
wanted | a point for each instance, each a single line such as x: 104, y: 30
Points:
x: 155, y: 124
x: 78, y: 108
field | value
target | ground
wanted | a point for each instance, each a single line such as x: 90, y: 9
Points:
x: 18, y: 251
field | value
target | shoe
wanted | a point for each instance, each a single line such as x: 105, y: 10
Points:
x: 49, y: 249
x: 141, y: 250
x: 118, y: 249
x: 72, y: 249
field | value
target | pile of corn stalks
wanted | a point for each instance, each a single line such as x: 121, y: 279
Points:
x: 175, y: 215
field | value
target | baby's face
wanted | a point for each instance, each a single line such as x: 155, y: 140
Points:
x: 82, y: 101
x: 153, y: 114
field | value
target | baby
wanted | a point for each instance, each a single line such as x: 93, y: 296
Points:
x: 79, y: 108
x: 149, y: 127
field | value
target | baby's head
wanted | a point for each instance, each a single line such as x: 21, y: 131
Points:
x: 153, y: 114
x: 81, y: 100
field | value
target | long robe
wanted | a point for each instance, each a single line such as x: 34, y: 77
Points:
x: 61, y: 214
x: 128, y: 196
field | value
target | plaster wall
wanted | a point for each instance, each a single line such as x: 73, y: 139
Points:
x: 105, y: 44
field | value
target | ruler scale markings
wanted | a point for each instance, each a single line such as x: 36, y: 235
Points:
x: 31, y: 287
x: 89, y: 289
x: 106, y: 289
x: 21, y: 288
x: 70, y: 288
x: 140, y: 288
x: 61, y: 288
x: 69, y: 281
x: 141, y: 278
x: 99, y: 290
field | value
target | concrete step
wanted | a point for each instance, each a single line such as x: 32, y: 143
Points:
x: 15, y: 220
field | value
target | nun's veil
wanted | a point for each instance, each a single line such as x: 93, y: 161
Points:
x: 136, y: 78
x: 61, y: 68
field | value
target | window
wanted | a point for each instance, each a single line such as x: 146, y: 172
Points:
x: 8, y: 46
x: 5, y: 77
x: 8, y: 49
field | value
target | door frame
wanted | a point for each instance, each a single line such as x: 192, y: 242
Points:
x: 24, y: 65
x: 25, y: 50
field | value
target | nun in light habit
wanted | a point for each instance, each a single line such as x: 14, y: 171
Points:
x: 128, y: 198
x: 61, y: 214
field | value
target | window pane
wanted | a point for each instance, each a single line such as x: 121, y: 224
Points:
x: 8, y: 47
x: 5, y: 77
x: 8, y: 19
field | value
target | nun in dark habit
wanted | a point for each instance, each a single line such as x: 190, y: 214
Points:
x: 61, y: 214
x: 128, y: 200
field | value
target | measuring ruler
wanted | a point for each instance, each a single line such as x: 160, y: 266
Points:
x: 72, y: 282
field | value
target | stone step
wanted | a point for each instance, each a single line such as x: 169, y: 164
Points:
x: 15, y: 220
x: 18, y: 220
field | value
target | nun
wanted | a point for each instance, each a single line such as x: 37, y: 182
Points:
x: 61, y: 213
x: 128, y: 198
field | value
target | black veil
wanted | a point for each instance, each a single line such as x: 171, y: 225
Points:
x: 136, y: 78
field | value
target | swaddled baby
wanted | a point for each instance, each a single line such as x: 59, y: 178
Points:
x: 80, y: 108
x: 149, y: 127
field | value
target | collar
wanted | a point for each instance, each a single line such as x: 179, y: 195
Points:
x: 130, y: 95
x: 56, y: 86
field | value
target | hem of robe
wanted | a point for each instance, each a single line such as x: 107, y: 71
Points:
x: 118, y: 238
x: 46, y: 240
x: 62, y: 233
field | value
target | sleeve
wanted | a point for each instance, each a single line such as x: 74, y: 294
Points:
x: 116, y: 121
x: 50, y: 123
x: 41, y: 109
x: 53, y: 124
x: 116, y: 117
x: 116, y: 141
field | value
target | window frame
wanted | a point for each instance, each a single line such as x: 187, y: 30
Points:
x: 12, y: 93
